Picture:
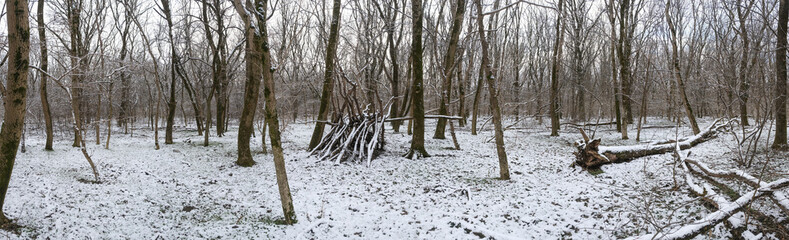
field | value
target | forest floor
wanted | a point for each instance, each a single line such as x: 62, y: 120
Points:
x: 187, y: 191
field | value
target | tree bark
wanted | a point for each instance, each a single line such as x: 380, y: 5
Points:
x: 15, y: 93
x: 780, y: 77
x: 417, y: 89
x: 78, y: 61
x: 42, y: 36
x: 125, y: 108
x: 481, y: 79
x: 328, y: 76
x: 271, y: 115
x: 504, y: 169
x: 174, y: 61
x: 555, y: 69
x: 623, y: 53
x: 449, y: 65
x: 677, y: 71
x: 254, y: 74
x: 745, y: 84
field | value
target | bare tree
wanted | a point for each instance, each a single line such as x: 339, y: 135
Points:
x: 44, y: 95
x: 328, y: 76
x: 157, y: 78
x: 254, y: 73
x: 271, y: 114
x: 449, y: 66
x: 174, y: 62
x: 555, y: 69
x: 670, y: 20
x: 504, y: 169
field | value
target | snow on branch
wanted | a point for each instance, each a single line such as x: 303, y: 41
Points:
x: 701, y: 226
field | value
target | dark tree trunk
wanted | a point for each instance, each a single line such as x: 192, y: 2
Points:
x: 745, y: 84
x: 449, y: 65
x: 623, y: 52
x: 78, y: 62
x: 174, y: 62
x: 555, y: 69
x: 417, y: 92
x: 42, y: 36
x: 780, y: 77
x: 328, y: 76
x: 254, y: 68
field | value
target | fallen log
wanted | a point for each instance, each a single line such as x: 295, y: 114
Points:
x: 588, y: 124
x: 712, y: 198
x: 591, y: 155
x: 735, y: 223
x: 779, y: 198
x: 725, y: 209
x: 426, y: 117
x: 691, y: 230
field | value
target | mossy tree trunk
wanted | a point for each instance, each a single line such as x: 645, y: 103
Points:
x: 15, y: 93
x: 328, y: 76
x: 254, y: 74
x: 271, y: 115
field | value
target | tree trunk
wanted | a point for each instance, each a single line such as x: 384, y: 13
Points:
x: 744, y: 68
x: 254, y: 74
x: 475, y: 104
x: 109, y: 116
x: 77, y: 56
x: 417, y: 88
x: 271, y: 115
x: 174, y: 61
x: 623, y: 52
x: 780, y: 77
x: 158, y: 84
x: 14, y: 97
x: 481, y: 79
x: 390, y: 28
x: 642, y: 116
x: 677, y: 71
x: 555, y: 69
x: 124, y: 111
x: 328, y: 76
x: 449, y: 65
x: 504, y: 169
x: 42, y: 36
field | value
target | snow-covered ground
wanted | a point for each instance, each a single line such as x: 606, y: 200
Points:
x: 187, y: 191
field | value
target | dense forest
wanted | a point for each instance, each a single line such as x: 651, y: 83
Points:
x: 394, y: 119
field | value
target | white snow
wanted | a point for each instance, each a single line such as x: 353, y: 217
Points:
x: 189, y: 191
